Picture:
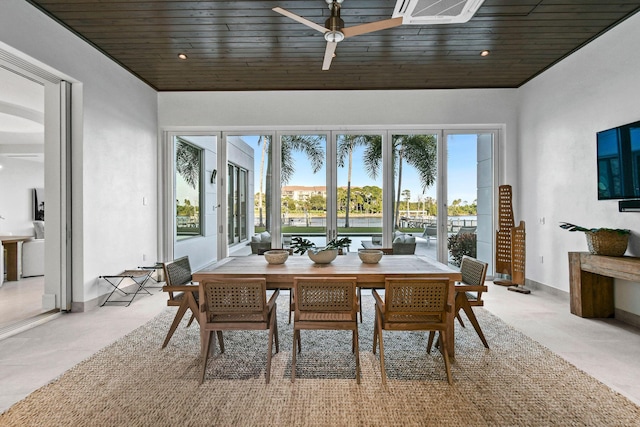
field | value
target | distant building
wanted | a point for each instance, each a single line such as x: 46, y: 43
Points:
x: 301, y: 192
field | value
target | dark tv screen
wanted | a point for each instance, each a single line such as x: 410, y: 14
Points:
x: 619, y: 162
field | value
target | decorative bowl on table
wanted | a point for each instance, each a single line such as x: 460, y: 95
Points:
x: 322, y: 256
x: 276, y: 256
x: 370, y: 256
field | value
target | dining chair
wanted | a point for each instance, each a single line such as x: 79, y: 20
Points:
x: 469, y: 291
x: 325, y: 303
x: 412, y: 304
x: 236, y: 304
x: 183, y: 293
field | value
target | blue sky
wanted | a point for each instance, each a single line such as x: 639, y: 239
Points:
x: 462, y: 173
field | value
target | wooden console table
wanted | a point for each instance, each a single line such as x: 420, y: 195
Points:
x: 591, y: 281
x: 12, y: 245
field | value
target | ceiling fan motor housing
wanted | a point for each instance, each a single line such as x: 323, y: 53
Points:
x: 334, y: 23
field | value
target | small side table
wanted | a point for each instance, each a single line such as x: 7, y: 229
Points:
x: 139, y: 277
x: 157, y: 266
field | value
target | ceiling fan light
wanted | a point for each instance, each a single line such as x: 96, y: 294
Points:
x: 333, y: 36
x: 182, y: 56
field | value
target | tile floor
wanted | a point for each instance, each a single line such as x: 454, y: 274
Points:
x: 20, y: 299
x: 604, y: 348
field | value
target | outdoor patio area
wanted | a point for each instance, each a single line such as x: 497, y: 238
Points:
x: 423, y: 247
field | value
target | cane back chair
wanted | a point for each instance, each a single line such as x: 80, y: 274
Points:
x: 326, y: 303
x: 183, y: 293
x: 412, y: 304
x: 236, y: 304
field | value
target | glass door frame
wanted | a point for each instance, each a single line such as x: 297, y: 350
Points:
x: 276, y: 185
x: 387, y: 174
x: 443, y: 253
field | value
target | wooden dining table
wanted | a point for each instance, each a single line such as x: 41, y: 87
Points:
x: 368, y: 276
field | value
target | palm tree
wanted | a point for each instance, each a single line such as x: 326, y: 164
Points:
x: 346, y: 145
x: 419, y: 151
x: 265, y: 140
x: 188, y: 162
x: 311, y: 145
x: 406, y: 193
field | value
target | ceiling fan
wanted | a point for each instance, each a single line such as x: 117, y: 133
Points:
x: 334, y: 30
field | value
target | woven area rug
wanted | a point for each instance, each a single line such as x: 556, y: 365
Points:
x: 133, y: 382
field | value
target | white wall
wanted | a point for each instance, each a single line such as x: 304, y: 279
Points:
x: 18, y: 177
x: 115, y: 148
x: 561, y: 110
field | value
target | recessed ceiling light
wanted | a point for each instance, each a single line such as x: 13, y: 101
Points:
x: 182, y: 56
x: 485, y: 53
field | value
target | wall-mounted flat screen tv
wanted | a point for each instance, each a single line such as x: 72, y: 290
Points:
x: 619, y: 162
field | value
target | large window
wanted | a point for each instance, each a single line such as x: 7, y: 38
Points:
x: 359, y: 190
x: 381, y: 188
x: 303, y: 181
x: 188, y: 189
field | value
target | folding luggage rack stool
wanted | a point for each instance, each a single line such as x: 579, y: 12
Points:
x: 157, y: 267
x: 139, y: 277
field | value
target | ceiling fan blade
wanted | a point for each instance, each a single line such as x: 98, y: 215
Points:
x: 371, y: 27
x: 300, y: 19
x: 328, y: 55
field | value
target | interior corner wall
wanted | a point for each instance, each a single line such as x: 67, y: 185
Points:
x: 114, y: 149
x: 561, y: 110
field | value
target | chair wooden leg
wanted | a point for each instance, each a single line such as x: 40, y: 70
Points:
x: 206, y: 342
x: 293, y: 355
x: 375, y: 330
x: 445, y: 355
x: 360, y: 302
x: 383, y: 371
x: 193, y: 316
x: 355, y: 338
x: 460, y: 319
x: 182, y: 309
x: 432, y: 334
x: 219, y: 333
x: 474, y: 321
x: 290, y: 304
x: 275, y: 329
x: 270, y: 345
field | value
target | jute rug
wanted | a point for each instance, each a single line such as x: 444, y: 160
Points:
x: 133, y: 382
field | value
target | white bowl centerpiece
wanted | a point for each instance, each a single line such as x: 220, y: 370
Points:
x: 319, y: 255
x: 276, y: 256
x: 322, y: 255
x: 370, y: 256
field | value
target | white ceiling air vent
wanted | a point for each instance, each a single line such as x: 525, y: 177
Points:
x: 421, y: 12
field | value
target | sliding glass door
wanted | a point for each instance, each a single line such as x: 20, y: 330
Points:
x: 303, y: 187
x: 430, y: 189
x: 470, y: 196
x: 359, y: 195
x: 414, y: 191
x: 237, y: 203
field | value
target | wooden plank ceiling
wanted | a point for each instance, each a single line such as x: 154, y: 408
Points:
x: 244, y: 45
